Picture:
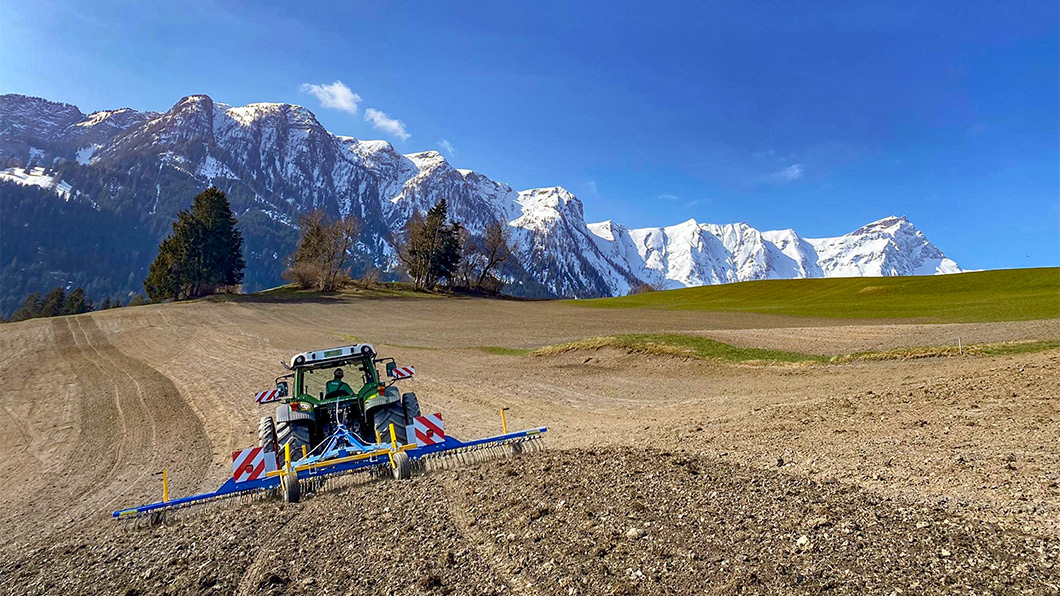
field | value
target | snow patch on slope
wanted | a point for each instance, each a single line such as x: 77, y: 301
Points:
x: 84, y: 154
x: 36, y: 177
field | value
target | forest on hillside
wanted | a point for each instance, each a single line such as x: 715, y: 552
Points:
x: 49, y: 242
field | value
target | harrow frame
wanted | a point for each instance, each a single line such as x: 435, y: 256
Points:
x: 336, y: 460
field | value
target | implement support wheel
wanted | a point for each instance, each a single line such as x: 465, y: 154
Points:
x: 402, y: 466
x: 292, y: 492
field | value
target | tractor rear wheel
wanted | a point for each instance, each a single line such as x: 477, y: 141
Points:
x: 267, y: 434
x: 412, y: 405
x: 293, y: 433
x: 399, y: 414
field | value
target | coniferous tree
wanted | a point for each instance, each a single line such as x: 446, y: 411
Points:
x: 31, y: 308
x: 202, y: 255
x: 447, y: 258
x: 53, y: 303
x: 222, y: 250
x: 76, y: 303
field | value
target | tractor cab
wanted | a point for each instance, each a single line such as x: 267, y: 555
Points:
x: 316, y: 401
x: 315, y: 381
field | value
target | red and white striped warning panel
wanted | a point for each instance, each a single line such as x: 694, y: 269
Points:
x: 427, y: 430
x: 251, y: 464
x: 403, y: 372
x: 264, y: 397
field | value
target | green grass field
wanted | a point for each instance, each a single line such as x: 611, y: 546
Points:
x: 691, y: 346
x: 1005, y: 295
x: 702, y: 348
x: 504, y: 351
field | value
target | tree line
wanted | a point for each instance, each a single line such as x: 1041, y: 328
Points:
x: 433, y: 251
x: 55, y: 303
x: 203, y: 255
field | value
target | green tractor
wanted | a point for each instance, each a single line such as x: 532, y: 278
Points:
x: 325, y: 394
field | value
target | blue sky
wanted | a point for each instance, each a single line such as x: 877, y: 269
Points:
x: 817, y: 116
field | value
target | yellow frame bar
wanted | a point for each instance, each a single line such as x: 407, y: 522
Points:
x: 342, y: 460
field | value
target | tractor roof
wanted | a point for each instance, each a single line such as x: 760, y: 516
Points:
x: 323, y: 358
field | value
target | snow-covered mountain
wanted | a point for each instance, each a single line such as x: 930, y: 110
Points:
x: 277, y: 162
x: 694, y: 254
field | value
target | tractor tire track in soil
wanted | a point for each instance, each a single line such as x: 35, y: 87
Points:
x: 131, y: 422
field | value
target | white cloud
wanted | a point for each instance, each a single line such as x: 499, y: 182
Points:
x: 591, y: 188
x: 695, y: 202
x: 668, y: 197
x: 380, y: 121
x: 785, y: 175
x: 336, y: 96
x: 445, y: 144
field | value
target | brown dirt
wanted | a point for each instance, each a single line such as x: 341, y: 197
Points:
x: 562, y: 522
x: 95, y: 404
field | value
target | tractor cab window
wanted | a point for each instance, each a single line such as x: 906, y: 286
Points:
x: 365, y: 367
x: 315, y: 382
x: 356, y: 374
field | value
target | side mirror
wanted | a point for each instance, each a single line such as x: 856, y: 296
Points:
x: 390, y: 366
x: 282, y: 388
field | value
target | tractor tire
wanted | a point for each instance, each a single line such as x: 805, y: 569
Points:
x: 402, y: 466
x: 397, y: 414
x: 412, y: 405
x: 295, y: 434
x: 267, y: 434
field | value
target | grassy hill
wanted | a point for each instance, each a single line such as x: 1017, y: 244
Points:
x: 1005, y: 295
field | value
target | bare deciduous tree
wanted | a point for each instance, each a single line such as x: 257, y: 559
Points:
x: 496, y: 249
x: 480, y: 258
x: 323, y: 248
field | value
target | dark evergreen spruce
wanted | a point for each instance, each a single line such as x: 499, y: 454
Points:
x: 202, y: 255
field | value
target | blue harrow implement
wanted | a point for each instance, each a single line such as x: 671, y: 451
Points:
x: 344, y: 454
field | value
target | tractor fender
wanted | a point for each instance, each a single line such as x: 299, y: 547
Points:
x: 391, y: 395
x: 284, y: 413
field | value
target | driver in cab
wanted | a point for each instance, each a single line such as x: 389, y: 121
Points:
x: 337, y: 387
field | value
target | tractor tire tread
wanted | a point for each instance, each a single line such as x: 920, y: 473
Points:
x: 267, y: 434
x: 294, y: 433
x: 399, y: 413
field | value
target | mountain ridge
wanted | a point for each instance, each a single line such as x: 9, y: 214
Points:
x: 276, y: 162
